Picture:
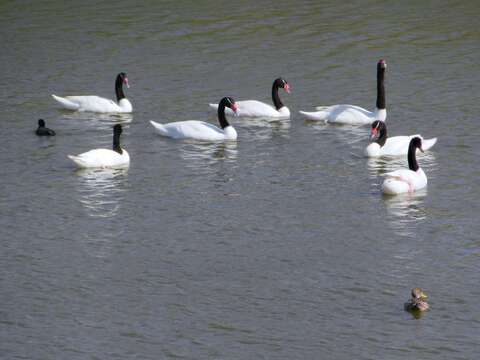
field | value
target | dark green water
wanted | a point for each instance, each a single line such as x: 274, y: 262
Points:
x: 277, y: 247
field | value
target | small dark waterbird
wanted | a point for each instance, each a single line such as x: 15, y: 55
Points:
x: 417, y: 302
x: 42, y: 130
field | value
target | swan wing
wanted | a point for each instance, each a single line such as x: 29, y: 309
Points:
x: 101, y: 158
x: 341, y: 114
x: 254, y: 108
x: 190, y: 129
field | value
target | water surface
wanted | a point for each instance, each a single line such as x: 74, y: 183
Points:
x: 278, y: 246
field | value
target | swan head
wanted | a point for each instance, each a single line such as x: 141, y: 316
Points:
x: 123, y: 77
x: 230, y: 103
x: 378, y: 128
x: 381, y: 64
x: 41, y: 122
x: 283, y: 84
x: 416, y: 143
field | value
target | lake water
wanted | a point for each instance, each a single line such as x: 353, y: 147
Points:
x: 278, y: 246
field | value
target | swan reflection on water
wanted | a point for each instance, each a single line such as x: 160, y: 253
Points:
x: 100, y: 190
x: 349, y: 134
x: 405, y: 211
x: 100, y: 121
x: 200, y: 155
x: 262, y: 128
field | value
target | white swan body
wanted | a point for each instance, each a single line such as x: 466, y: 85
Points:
x: 93, y: 103
x: 101, y: 158
x: 382, y: 145
x: 406, y: 180
x: 352, y: 114
x: 194, y: 129
x: 201, y: 130
x: 345, y: 114
x: 396, y: 146
x: 104, y: 158
x: 255, y: 108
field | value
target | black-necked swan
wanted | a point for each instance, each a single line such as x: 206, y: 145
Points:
x: 352, y: 114
x: 406, y: 180
x: 104, y: 158
x: 201, y: 130
x: 382, y: 145
x: 254, y: 108
x: 42, y: 130
x: 98, y: 104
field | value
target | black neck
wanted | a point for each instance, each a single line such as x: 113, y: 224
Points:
x: 380, y: 88
x: 116, y: 143
x: 276, y: 99
x: 222, y: 119
x: 412, y: 157
x: 119, y: 88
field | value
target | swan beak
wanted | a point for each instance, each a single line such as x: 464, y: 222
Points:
x: 373, y: 134
x: 421, y: 149
x: 234, y: 108
x: 125, y: 81
x: 286, y: 87
x: 423, y: 296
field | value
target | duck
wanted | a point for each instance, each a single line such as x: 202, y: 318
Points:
x: 93, y: 103
x: 255, y: 108
x: 201, y: 130
x: 417, y: 302
x: 42, y: 130
x: 382, y: 145
x: 406, y: 180
x: 352, y: 114
x: 104, y: 158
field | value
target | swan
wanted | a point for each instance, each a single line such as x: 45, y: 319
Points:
x: 254, y: 108
x: 104, y: 158
x: 406, y: 180
x: 42, y: 130
x: 352, y: 114
x: 382, y: 145
x: 201, y: 130
x: 98, y: 104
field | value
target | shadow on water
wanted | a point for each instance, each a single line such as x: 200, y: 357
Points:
x: 101, y: 190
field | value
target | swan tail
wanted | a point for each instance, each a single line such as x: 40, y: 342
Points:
x: 213, y: 106
x: 428, y: 143
x: 78, y: 161
x: 67, y: 104
x: 313, y: 115
x: 160, y: 128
